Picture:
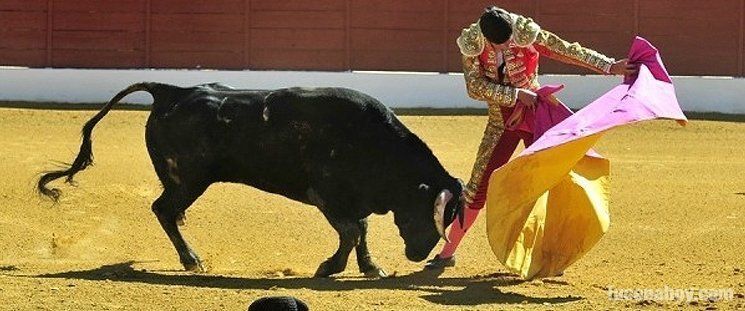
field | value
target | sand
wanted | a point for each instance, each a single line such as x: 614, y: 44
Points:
x: 678, y: 206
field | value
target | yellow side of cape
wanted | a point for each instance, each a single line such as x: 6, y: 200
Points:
x: 547, y: 209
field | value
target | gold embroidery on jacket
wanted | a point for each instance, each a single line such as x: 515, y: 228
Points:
x: 491, y: 65
x: 524, y: 30
x: 479, y: 86
x: 516, y: 71
x: 471, y: 42
x: 573, y: 53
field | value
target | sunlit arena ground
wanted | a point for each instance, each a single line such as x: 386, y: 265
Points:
x: 677, y: 211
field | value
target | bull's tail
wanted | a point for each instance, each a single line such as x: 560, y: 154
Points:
x: 85, y: 156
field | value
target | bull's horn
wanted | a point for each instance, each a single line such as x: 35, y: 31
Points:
x: 439, y: 213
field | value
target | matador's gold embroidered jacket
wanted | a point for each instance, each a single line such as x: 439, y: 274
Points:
x: 494, y: 76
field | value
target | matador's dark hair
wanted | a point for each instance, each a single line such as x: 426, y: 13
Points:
x: 496, y: 25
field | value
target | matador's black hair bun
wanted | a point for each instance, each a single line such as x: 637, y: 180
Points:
x: 496, y: 25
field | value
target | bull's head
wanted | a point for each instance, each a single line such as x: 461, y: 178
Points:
x: 430, y: 212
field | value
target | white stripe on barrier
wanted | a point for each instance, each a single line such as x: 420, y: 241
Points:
x: 395, y: 89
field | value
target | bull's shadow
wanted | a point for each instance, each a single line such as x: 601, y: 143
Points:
x: 474, y: 291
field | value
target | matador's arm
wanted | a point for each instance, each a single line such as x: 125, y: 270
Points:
x: 527, y: 32
x: 552, y: 46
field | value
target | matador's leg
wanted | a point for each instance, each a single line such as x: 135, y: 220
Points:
x: 495, y: 150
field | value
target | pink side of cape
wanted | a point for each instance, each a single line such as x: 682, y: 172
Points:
x: 648, y: 95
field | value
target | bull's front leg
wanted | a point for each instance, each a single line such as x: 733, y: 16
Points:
x: 364, y: 260
x: 169, y: 208
x: 349, y: 237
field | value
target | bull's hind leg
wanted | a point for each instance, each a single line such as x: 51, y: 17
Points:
x: 364, y: 260
x: 349, y: 237
x: 169, y: 208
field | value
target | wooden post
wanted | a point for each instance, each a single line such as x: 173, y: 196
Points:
x: 50, y: 28
x: 348, y: 36
x: 741, y: 54
x: 636, y: 17
x: 247, y: 34
x: 148, y: 51
x: 445, y: 40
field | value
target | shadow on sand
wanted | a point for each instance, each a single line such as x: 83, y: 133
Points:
x: 444, y: 291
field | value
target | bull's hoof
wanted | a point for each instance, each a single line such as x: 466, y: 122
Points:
x: 440, y: 263
x: 194, y: 265
x: 327, y: 268
x: 375, y: 273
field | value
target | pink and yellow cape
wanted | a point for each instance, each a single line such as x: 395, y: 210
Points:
x: 549, y: 205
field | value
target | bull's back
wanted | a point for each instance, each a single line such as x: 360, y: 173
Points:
x: 212, y: 133
x: 330, y: 118
x: 280, y: 141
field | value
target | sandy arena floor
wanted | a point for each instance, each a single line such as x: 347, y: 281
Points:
x: 678, y: 206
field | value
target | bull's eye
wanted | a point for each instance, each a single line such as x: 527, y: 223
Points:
x: 424, y: 187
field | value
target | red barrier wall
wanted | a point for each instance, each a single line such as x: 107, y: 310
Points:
x: 695, y: 37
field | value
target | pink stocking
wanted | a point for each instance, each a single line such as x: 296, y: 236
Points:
x: 457, y: 232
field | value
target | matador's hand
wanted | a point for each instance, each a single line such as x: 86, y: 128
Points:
x: 527, y: 97
x: 623, y: 68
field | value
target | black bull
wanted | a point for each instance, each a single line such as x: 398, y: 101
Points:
x: 337, y: 149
